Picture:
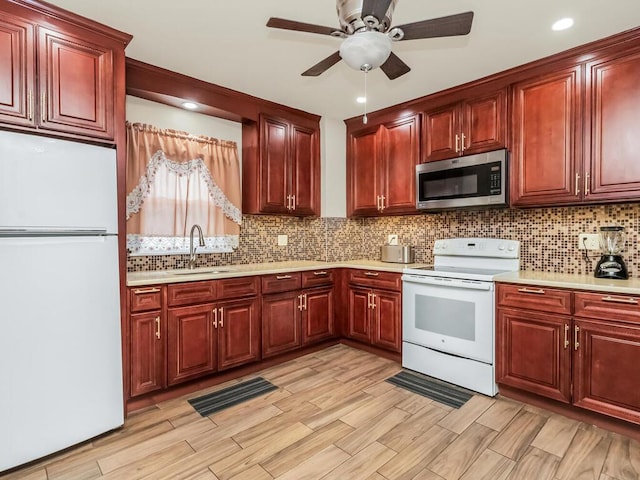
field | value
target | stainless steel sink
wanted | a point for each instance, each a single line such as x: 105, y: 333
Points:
x: 198, y: 271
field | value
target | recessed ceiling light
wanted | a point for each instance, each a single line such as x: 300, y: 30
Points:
x: 190, y: 105
x: 562, y: 24
x: 361, y: 99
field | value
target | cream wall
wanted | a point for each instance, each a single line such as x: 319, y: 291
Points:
x: 332, y: 144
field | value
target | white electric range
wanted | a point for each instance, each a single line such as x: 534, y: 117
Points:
x: 448, y: 311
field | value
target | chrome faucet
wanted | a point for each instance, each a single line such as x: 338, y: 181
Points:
x: 192, y: 249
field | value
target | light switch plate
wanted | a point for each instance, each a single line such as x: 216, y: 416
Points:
x: 283, y: 240
x: 589, y: 240
x: 392, y: 239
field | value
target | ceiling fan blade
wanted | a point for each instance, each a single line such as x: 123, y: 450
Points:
x: 394, y: 67
x: 449, y: 26
x: 376, y: 8
x: 322, y: 66
x: 285, y: 24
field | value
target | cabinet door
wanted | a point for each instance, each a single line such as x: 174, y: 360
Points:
x: 363, y: 171
x: 386, y: 331
x: 147, y: 353
x: 274, y: 165
x: 280, y: 323
x: 75, y: 73
x: 484, y: 123
x: 305, y: 171
x: 16, y: 71
x: 545, y: 161
x: 441, y: 129
x: 400, y: 155
x: 238, y: 332
x: 318, y: 315
x: 533, y: 352
x: 613, y: 103
x: 359, y: 327
x: 191, y: 341
x: 605, y: 368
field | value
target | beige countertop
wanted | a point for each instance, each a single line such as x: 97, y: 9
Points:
x: 137, y: 279
x: 577, y: 282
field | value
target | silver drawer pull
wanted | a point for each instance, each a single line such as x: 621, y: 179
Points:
x: 371, y: 274
x: 283, y: 277
x: 142, y: 291
x: 320, y: 273
x: 537, y: 291
x: 611, y: 299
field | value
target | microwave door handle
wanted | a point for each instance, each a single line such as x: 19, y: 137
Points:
x: 448, y: 282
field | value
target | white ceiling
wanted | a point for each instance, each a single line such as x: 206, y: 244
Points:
x: 227, y: 43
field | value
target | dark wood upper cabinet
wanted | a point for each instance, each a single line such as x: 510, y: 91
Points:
x: 474, y: 125
x: 381, y: 163
x: 59, y: 77
x: 545, y: 161
x: 281, y: 167
x: 613, y: 123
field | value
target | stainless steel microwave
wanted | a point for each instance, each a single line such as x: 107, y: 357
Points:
x: 473, y: 181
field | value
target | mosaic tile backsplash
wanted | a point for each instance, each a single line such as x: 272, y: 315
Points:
x: 548, y: 236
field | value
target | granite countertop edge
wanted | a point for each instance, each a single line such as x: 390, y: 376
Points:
x: 571, y: 281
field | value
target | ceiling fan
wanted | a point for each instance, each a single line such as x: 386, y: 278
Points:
x: 365, y: 26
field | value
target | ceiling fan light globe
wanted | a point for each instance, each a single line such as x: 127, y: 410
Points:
x: 369, y: 48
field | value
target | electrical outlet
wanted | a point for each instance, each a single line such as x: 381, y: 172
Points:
x: 283, y: 240
x: 588, y: 241
x: 392, y: 239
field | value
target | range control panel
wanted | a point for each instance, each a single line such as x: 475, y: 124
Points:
x: 477, y: 247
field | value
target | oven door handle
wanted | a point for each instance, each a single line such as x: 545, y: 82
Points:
x: 448, y: 282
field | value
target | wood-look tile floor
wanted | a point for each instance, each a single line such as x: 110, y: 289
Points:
x: 334, y: 417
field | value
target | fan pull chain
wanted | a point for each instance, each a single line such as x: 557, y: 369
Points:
x: 364, y: 117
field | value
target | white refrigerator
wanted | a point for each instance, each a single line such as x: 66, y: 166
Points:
x: 60, y: 343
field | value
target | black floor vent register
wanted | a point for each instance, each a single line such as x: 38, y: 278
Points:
x: 430, y: 387
x: 228, y: 397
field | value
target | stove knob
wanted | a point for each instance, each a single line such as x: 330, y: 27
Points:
x: 444, y: 246
x: 501, y: 246
x: 511, y: 248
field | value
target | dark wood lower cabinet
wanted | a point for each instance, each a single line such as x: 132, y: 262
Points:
x: 606, y: 374
x: 375, y: 317
x: 147, y: 353
x: 532, y: 353
x: 280, y: 323
x: 239, y: 332
x: 191, y: 343
x: 587, y: 357
x: 317, y: 315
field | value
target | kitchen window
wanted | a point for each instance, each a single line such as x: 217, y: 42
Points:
x: 175, y: 180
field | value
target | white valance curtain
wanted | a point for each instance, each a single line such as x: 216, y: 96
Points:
x: 175, y: 180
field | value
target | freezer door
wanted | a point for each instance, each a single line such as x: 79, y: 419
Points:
x: 52, y: 183
x: 60, y: 344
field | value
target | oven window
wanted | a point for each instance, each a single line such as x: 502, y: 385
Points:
x: 445, y: 316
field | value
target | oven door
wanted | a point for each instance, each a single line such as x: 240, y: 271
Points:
x: 450, y: 315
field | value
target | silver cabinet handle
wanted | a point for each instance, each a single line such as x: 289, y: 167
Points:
x: 382, y: 199
x: 577, y: 184
x: 457, y: 143
x: 300, y: 302
x: 611, y: 299
x: 221, y: 321
x: 586, y: 183
x: 371, y: 274
x: 283, y: 277
x: 158, y: 327
x: 320, y: 273
x: 576, y: 331
x: 462, y: 144
x: 293, y: 202
x: 566, y: 336
x: 215, y: 317
x: 30, y: 105
x: 536, y: 291
x: 369, y: 300
x: 373, y: 300
x: 305, y: 301
x: 43, y: 106
x: 142, y: 291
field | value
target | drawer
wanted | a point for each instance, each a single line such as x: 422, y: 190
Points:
x: 317, y: 278
x: 238, y: 287
x: 191, y: 292
x: 145, y: 298
x: 550, y: 300
x: 372, y: 278
x: 281, y: 282
x: 607, y: 306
